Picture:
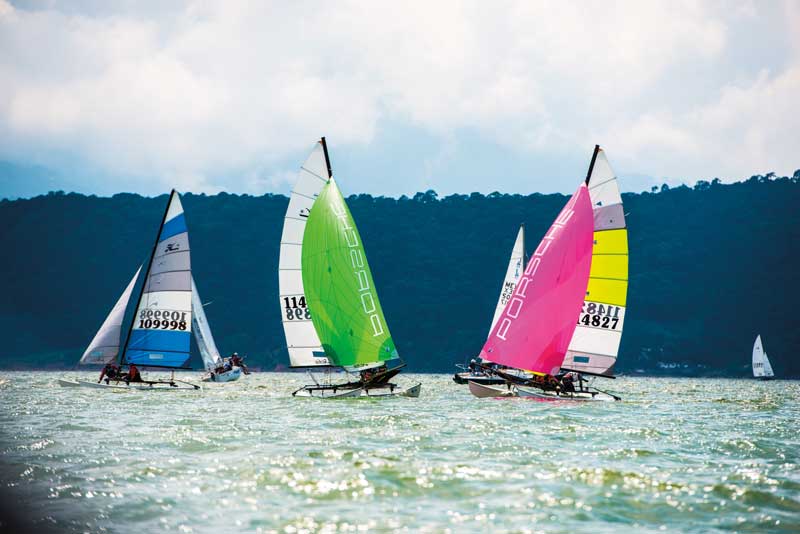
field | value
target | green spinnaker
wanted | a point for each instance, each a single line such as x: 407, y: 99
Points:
x: 339, y: 289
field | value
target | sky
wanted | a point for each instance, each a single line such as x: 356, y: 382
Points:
x: 511, y: 96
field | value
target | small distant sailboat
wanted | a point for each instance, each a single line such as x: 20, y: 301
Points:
x: 516, y: 265
x: 218, y: 369
x: 331, y: 313
x: 578, y: 271
x: 762, y: 369
x: 167, y: 309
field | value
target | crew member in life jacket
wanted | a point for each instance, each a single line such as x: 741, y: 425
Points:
x: 133, y: 374
x: 109, y: 372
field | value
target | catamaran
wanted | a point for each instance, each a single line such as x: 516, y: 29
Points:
x: 762, y: 369
x: 564, y: 281
x: 332, y: 318
x: 218, y: 369
x: 516, y: 264
x: 168, y: 310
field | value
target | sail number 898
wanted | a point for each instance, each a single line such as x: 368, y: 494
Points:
x: 295, y: 309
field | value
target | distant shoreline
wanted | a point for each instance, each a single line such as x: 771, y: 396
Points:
x: 290, y: 371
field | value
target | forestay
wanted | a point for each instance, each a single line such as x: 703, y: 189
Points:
x: 304, y: 346
x: 161, y: 330
x: 339, y: 288
x: 513, y: 272
x: 104, y: 347
x: 595, y: 344
x: 538, y: 321
x: 202, y: 332
x: 761, y: 365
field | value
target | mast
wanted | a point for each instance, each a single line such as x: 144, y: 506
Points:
x: 591, y: 165
x: 144, y: 280
x: 327, y: 157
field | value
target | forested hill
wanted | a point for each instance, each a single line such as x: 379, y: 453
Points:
x: 710, y: 267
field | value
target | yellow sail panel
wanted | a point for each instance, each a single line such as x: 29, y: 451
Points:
x: 607, y: 291
x: 609, y: 266
x: 611, y: 242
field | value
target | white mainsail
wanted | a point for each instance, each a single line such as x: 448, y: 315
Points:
x: 104, y: 347
x: 302, y: 341
x: 516, y: 264
x: 595, y: 343
x: 761, y: 365
x: 202, y: 332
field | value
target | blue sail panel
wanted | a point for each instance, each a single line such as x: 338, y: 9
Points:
x: 160, y: 340
x: 155, y: 358
x: 174, y: 226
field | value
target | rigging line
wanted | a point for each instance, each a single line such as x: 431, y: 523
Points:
x: 295, y: 218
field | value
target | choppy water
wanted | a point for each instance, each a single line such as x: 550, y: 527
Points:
x: 677, y: 455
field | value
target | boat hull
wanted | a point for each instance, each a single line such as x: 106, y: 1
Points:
x: 587, y: 395
x: 135, y: 386
x: 333, y: 392
x: 228, y: 376
x: 485, y: 391
x: 464, y: 378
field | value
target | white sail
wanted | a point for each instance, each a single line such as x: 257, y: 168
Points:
x: 104, y: 347
x: 761, y: 365
x: 304, y: 346
x: 202, y: 332
x: 513, y: 272
x: 595, y: 343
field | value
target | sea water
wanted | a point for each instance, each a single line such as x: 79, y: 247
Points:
x: 677, y: 455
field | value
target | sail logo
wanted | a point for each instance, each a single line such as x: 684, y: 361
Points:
x: 358, y: 263
x: 514, y: 306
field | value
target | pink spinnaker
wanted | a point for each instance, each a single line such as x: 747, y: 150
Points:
x: 538, y: 322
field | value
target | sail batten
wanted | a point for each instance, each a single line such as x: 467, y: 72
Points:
x: 303, y: 344
x: 595, y: 343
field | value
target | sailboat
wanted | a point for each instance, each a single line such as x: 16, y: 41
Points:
x: 218, y: 369
x: 167, y: 309
x: 516, y: 265
x: 332, y: 317
x: 761, y: 366
x: 562, y: 283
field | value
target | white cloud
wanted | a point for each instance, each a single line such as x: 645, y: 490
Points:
x: 197, y: 91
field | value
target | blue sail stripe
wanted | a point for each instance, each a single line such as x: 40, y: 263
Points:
x: 174, y: 226
x: 158, y: 359
x: 160, y: 340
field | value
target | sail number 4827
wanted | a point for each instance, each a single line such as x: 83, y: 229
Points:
x: 294, y: 309
x: 599, y: 315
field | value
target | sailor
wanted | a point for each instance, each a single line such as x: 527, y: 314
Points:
x: 473, y: 366
x: 109, y: 372
x: 568, y: 383
x: 133, y: 374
